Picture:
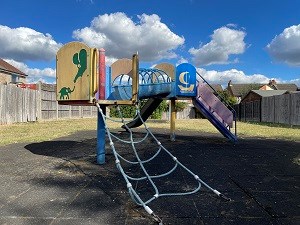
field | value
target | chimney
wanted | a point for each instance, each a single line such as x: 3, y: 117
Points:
x: 272, y: 82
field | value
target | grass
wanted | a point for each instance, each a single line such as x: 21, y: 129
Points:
x: 48, y: 130
x: 244, y: 129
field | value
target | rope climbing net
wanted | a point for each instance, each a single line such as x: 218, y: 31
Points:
x: 138, y: 161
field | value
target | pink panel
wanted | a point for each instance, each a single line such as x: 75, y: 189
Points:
x: 215, y: 105
x: 102, y: 74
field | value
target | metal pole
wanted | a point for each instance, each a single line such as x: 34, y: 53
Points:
x: 101, y: 134
x: 173, y: 118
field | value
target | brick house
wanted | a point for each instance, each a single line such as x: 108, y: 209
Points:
x: 272, y: 85
x: 10, y: 74
x: 239, y: 91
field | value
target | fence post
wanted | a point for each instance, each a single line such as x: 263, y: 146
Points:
x: 70, y: 112
x: 57, y: 116
x: 274, y: 109
x: 290, y: 109
x: 39, y: 101
x: 80, y: 111
x: 252, y: 109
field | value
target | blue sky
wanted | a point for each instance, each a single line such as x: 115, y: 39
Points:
x: 242, y: 41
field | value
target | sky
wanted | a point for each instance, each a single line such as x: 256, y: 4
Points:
x: 245, y: 41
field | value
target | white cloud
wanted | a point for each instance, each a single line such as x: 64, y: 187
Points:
x: 236, y: 76
x: 296, y: 81
x: 286, y: 46
x: 120, y: 36
x: 23, y: 44
x: 34, y: 74
x: 225, y: 42
x: 239, y: 77
x: 109, y: 60
x: 181, y: 60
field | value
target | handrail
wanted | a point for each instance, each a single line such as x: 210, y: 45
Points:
x: 223, y: 100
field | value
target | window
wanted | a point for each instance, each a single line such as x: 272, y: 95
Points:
x: 14, y: 78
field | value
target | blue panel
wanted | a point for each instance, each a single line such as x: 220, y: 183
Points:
x: 101, y: 132
x: 108, y: 82
x: 185, y: 80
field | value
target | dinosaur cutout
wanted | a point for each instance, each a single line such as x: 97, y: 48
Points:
x: 80, y: 60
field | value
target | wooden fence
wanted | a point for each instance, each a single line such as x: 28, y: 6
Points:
x: 188, y: 113
x: 283, y: 109
x: 25, y: 105
x: 18, y: 104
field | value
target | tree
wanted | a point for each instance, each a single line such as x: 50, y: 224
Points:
x: 227, y: 98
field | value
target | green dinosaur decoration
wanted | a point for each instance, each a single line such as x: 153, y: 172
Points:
x: 65, y: 92
x: 80, y: 60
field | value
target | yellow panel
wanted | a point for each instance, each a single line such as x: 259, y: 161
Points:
x: 73, y: 72
x: 122, y: 66
x: 168, y: 69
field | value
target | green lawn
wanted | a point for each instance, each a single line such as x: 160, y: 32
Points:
x: 48, y: 130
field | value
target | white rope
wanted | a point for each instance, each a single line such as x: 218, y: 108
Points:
x: 150, y: 178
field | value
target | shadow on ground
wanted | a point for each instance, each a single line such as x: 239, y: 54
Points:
x: 65, y: 185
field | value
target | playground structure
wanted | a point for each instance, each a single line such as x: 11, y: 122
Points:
x: 83, y: 79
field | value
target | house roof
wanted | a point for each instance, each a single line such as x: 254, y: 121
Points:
x: 268, y: 93
x: 216, y: 87
x: 288, y: 87
x: 7, y: 68
x: 242, y: 89
x: 264, y: 93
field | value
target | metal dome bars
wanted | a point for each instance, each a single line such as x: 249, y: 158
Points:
x: 146, y: 76
x: 150, y: 76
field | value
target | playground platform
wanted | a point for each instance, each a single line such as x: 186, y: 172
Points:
x: 59, y: 182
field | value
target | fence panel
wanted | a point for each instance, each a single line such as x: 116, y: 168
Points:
x: 64, y: 111
x: 282, y: 109
x: 23, y: 105
x: 267, y: 109
x: 237, y: 109
x: 187, y: 113
x: 248, y: 111
x: 48, y: 99
x: 17, y: 104
x: 295, y: 109
x: 243, y: 111
x: 2, y: 104
x: 256, y: 111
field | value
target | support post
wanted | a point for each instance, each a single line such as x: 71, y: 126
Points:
x: 135, y: 78
x: 173, y: 118
x: 102, y: 74
x: 101, y: 134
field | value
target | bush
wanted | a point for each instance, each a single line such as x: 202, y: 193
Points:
x: 126, y: 111
x: 129, y: 111
x: 180, y: 106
